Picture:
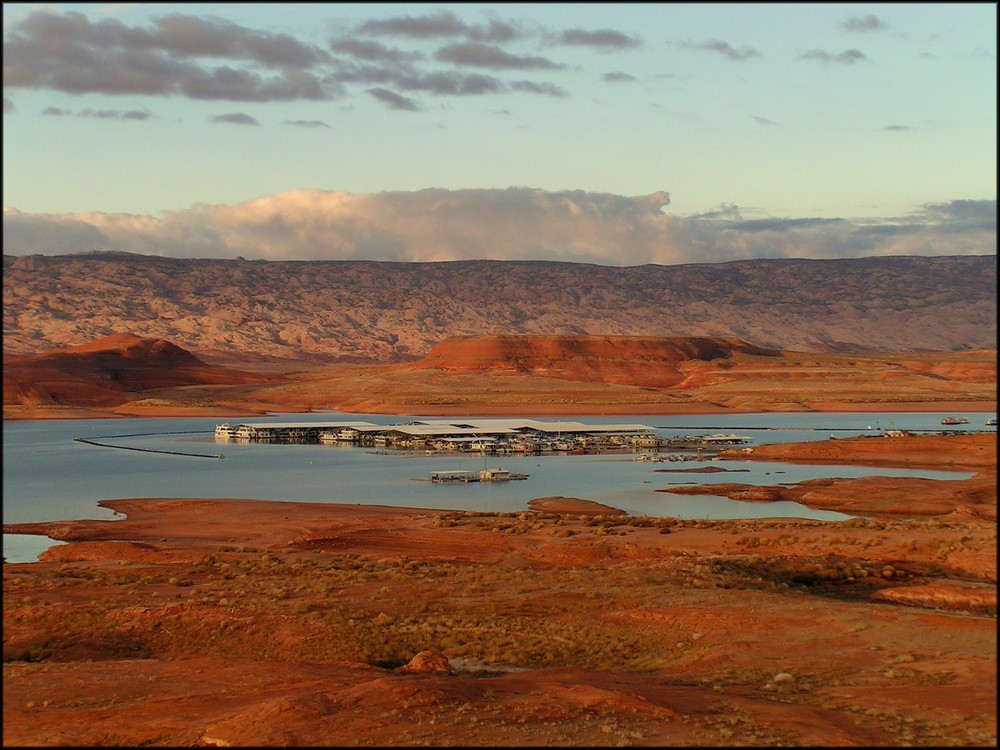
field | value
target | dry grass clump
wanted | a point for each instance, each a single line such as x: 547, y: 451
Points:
x: 526, y: 522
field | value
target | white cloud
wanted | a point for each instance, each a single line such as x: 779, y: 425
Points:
x: 511, y: 224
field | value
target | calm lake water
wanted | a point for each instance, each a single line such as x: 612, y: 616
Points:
x: 47, y: 476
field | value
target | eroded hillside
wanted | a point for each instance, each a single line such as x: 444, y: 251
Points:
x: 111, y: 371
x: 362, y: 311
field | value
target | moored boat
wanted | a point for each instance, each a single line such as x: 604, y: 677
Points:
x: 453, y: 476
x: 499, y: 475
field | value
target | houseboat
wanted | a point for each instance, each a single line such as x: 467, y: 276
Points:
x: 720, y: 439
x: 453, y: 476
x: 955, y: 420
x: 499, y: 475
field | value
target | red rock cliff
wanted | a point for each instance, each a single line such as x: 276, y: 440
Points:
x: 646, y: 361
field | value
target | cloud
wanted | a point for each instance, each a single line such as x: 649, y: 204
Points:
x: 441, y: 24
x: 432, y: 26
x: 960, y: 215
x: 114, y: 114
x: 513, y: 224
x: 235, y: 118
x: 371, y: 51
x: 602, y: 39
x: 481, y: 55
x: 69, y: 53
x: 46, y: 234
x: 723, y: 48
x: 367, y: 73
x: 100, y: 114
x: 235, y: 84
x: 779, y: 225
x: 183, y: 55
x: 847, y: 57
x: 729, y: 211
x: 863, y: 24
x: 394, y: 100
x: 617, y: 76
x: 549, y: 89
x: 307, y: 123
x: 765, y: 121
x: 452, y: 83
x: 194, y: 36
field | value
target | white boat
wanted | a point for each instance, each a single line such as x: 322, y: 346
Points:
x: 453, y: 476
x: 224, y: 431
x: 720, y: 439
x: 991, y: 421
x: 654, y: 457
x: 525, y: 446
x: 499, y: 475
x: 955, y: 420
x: 482, y: 445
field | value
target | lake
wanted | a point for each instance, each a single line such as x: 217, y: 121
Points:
x: 48, y: 476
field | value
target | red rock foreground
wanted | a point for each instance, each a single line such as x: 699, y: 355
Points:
x: 228, y: 622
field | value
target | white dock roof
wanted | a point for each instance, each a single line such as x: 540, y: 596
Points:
x: 432, y: 427
x: 308, y: 425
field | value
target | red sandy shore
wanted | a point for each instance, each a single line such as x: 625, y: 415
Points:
x: 20, y: 413
x: 583, y: 409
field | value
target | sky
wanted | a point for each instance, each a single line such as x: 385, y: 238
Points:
x: 608, y: 133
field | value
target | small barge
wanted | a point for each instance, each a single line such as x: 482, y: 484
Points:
x: 499, y: 475
x: 486, y: 475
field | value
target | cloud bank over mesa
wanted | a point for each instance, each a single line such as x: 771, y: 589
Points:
x: 516, y: 223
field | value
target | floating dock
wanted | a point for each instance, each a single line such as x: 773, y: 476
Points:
x: 486, y: 475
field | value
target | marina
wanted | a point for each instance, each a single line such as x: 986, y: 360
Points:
x: 486, y: 436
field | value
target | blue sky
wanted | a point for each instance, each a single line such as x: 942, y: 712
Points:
x: 787, y: 117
